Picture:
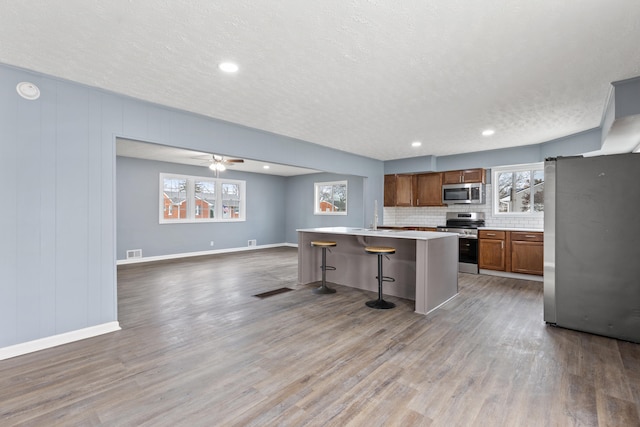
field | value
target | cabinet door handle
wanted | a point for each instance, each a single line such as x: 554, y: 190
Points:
x: 491, y: 234
x: 530, y: 236
x: 502, y: 244
x: 417, y: 201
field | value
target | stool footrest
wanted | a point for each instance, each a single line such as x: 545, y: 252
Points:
x: 387, y: 279
x: 327, y: 267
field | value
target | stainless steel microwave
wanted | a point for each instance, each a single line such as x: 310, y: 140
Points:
x: 456, y: 194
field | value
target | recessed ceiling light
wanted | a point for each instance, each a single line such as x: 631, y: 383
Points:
x: 28, y: 90
x: 488, y: 132
x: 228, y: 67
x: 265, y: 167
x: 416, y: 144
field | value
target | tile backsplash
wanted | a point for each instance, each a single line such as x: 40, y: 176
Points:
x: 434, y: 216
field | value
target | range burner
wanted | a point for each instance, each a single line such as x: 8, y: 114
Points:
x: 464, y: 223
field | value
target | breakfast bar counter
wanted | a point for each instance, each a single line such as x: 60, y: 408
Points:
x: 425, y: 265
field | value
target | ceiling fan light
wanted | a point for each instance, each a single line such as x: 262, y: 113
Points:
x: 228, y: 67
x: 212, y: 166
x: 220, y: 167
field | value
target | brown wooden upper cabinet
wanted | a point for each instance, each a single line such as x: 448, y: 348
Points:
x: 427, y: 189
x: 463, y: 176
x: 398, y: 190
x: 389, y: 190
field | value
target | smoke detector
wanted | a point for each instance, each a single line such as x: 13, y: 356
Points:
x: 28, y: 90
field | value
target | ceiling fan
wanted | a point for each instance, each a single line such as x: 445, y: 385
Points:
x: 220, y: 163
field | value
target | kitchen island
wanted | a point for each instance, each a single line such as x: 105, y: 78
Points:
x: 425, y: 265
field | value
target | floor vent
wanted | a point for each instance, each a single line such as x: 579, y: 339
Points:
x: 272, y: 293
x: 134, y: 253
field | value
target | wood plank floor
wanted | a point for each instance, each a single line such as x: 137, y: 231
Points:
x: 198, y: 349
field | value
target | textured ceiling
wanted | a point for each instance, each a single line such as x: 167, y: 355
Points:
x: 163, y: 153
x: 367, y: 77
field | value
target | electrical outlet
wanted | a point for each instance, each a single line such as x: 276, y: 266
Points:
x: 252, y: 242
x: 211, y: 244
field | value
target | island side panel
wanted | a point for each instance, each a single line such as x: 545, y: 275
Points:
x: 307, y: 262
x: 437, y: 276
x: 421, y: 277
x: 356, y: 268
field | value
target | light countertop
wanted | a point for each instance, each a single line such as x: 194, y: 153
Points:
x: 395, y: 234
x: 530, y: 230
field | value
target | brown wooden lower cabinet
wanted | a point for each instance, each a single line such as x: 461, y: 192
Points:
x: 511, y: 251
x: 527, y: 253
x: 492, y: 250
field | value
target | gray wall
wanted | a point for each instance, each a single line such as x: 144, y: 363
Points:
x: 137, y: 215
x: 58, y: 169
x: 57, y: 166
x: 276, y: 207
x: 567, y: 146
x: 627, y: 93
x: 300, y: 204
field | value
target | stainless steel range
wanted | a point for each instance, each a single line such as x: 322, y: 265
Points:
x: 466, y: 225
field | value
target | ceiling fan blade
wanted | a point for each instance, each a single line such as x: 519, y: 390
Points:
x: 234, y: 160
x: 203, y: 157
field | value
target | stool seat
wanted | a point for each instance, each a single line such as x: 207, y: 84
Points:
x: 380, y: 251
x: 324, y: 245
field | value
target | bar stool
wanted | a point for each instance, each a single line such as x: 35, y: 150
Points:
x: 324, y: 244
x: 380, y: 251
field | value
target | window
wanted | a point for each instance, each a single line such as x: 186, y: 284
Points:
x: 330, y: 198
x: 518, y: 190
x: 200, y: 199
x: 174, y: 198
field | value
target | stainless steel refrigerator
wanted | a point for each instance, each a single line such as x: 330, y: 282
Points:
x: 592, y: 244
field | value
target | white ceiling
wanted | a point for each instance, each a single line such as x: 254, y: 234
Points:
x: 367, y: 77
x: 163, y: 153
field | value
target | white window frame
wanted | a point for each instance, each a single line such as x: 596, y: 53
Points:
x: 316, y: 197
x: 191, y: 197
x: 495, y: 191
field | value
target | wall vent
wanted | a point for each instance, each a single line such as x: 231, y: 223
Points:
x: 134, y: 253
x: 252, y: 242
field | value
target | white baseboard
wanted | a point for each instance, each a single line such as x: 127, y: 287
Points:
x: 56, y: 340
x: 191, y: 254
